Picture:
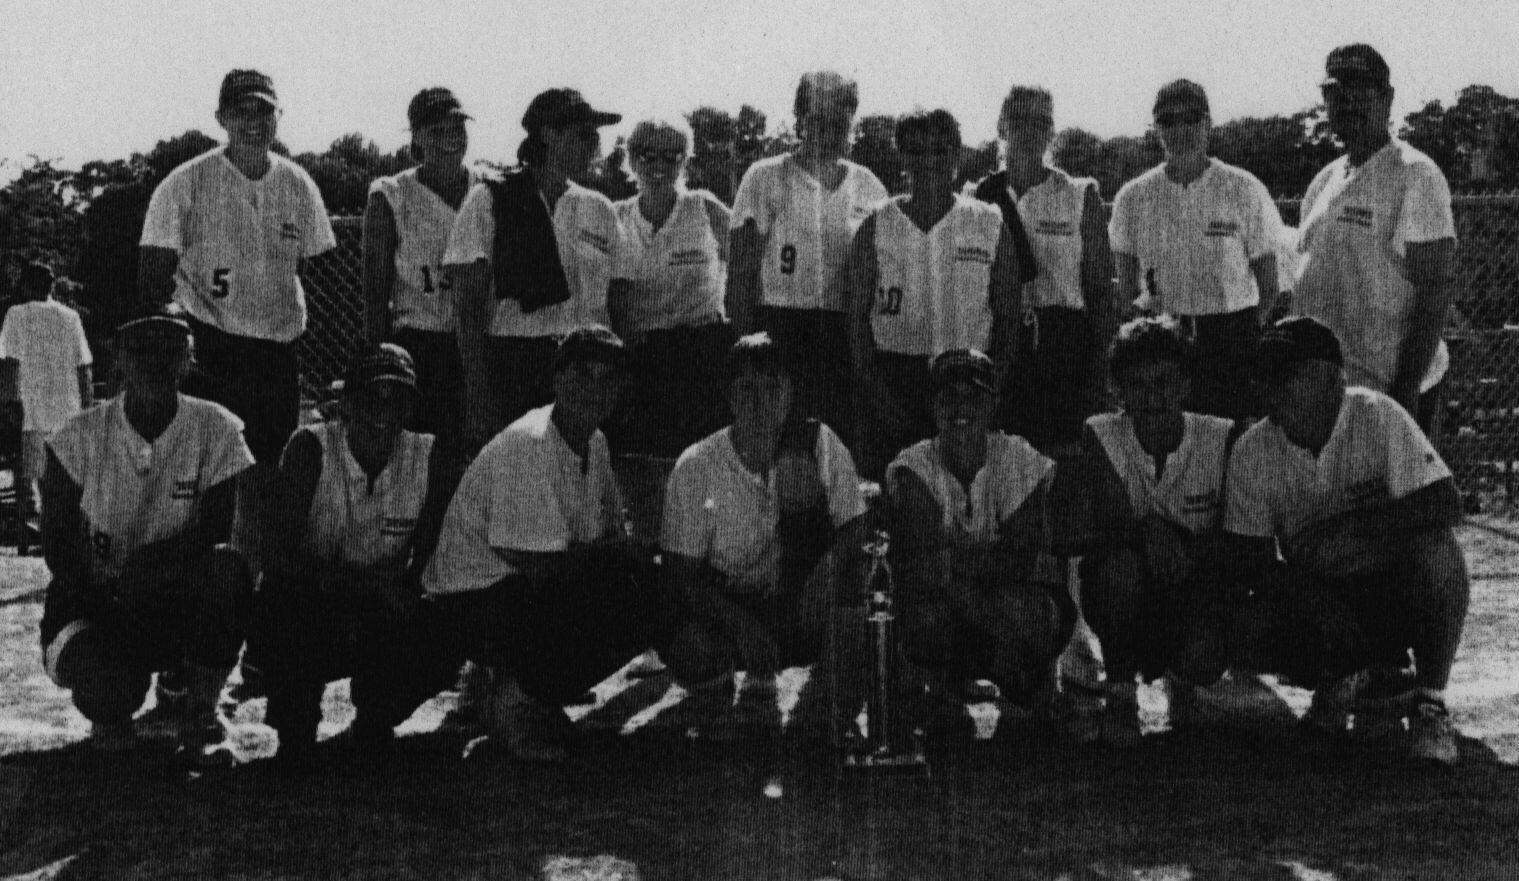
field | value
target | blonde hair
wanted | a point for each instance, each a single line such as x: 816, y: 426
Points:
x: 647, y: 128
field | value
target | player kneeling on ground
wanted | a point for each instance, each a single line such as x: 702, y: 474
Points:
x: 138, y: 498
x: 759, y: 519
x: 979, y: 597
x: 1361, y: 506
x: 360, y: 519
x: 1156, y: 477
x: 534, y: 576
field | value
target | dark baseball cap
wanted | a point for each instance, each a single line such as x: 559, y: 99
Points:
x: 386, y: 362
x: 165, y: 326
x: 963, y: 365
x: 35, y: 276
x: 240, y: 84
x: 1356, y: 65
x: 1292, y: 341
x: 1184, y: 93
x: 433, y: 105
x: 593, y: 342
x: 563, y: 107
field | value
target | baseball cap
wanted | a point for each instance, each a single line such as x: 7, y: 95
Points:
x: 593, y: 342
x: 386, y: 362
x: 1356, y: 64
x: 1183, y: 92
x: 35, y: 276
x: 163, y: 326
x: 433, y: 105
x: 963, y: 365
x: 240, y: 84
x: 562, y: 107
x: 1292, y: 341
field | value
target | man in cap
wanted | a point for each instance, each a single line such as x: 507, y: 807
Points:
x: 794, y: 217
x: 1376, y: 239
x: 1202, y: 234
x: 532, y: 257
x: 138, y: 500
x: 1361, y: 507
x: 225, y: 237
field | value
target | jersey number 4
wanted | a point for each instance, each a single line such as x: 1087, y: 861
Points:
x: 889, y: 300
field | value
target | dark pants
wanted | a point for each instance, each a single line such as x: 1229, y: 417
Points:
x: 521, y: 375
x: 906, y: 378
x: 1223, y: 376
x: 1050, y: 390
x: 677, y: 391
x: 258, y: 380
x: 815, y: 345
x: 440, y: 383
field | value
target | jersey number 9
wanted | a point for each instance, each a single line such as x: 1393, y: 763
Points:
x: 788, y: 259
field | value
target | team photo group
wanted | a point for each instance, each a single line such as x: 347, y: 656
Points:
x: 1169, y: 441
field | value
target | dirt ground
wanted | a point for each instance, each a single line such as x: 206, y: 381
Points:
x: 1243, y: 797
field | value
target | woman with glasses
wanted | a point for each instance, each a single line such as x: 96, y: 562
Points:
x: 671, y: 313
x: 1068, y: 298
x: 931, y: 271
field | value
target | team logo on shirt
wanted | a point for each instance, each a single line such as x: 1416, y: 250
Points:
x: 1200, y: 503
x: 1363, y: 217
x: 1227, y: 229
x: 185, y: 490
x: 973, y: 254
x: 401, y: 526
x: 1366, y: 492
x: 288, y: 230
x: 689, y: 257
x: 596, y: 240
x: 1055, y: 228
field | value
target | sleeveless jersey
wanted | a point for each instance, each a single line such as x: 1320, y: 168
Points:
x: 932, y: 288
x: 354, y: 523
x: 1190, y: 491
x: 1013, y: 471
x: 1051, y: 214
x: 677, y: 273
x: 422, y: 298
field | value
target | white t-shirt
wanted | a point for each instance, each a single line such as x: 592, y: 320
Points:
x: 526, y: 491
x: 592, y: 251
x: 136, y: 493
x: 1190, y: 491
x: 240, y: 242
x: 48, y: 339
x: 721, y: 513
x: 678, y: 272
x: 1012, y: 472
x: 1376, y: 454
x: 423, y: 298
x: 806, y: 230
x: 1199, y: 238
x: 357, y: 523
x: 932, y: 289
x: 1051, y: 212
x: 1357, y: 224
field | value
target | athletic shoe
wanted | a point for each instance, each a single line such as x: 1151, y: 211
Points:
x: 1329, y: 713
x: 203, y: 743
x: 1120, y: 716
x: 1377, y: 727
x: 1181, y: 703
x: 112, y: 737
x: 1434, y: 735
x: 530, y: 729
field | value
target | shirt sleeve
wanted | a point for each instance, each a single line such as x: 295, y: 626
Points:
x: 841, y: 481
x: 1120, y: 227
x: 683, y: 526
x: 164, y: 225
x: 524, y: 513
x: 1264, y: 223
x: 227, y: 454
x: 319, y: 235
x: 752, y: 201
x: 474, y: 229
x: 1425, y: 215
x: 7, y: 334
x: 1412, y: 462
x: 67, y: 444
x: 1247, y: 495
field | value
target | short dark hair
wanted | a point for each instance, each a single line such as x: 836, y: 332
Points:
x: 593, y: 342
x: 1150, y: 339
x: 841, y: 90
x: 35, y: 276
x: 928, y: 124
x: 756, y: 352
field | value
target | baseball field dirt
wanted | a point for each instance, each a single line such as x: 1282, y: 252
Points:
x: 1240, y: 796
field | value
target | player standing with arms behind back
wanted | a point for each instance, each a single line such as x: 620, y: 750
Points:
x: 225, y: 236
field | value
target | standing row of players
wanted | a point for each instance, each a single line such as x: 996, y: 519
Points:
x: 814, y: 256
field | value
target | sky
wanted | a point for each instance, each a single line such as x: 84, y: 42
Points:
x: 100, y: 79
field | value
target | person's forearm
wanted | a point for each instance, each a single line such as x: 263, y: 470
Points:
x: 1428, y: 267
x: 1264, y: 270
x: 744, y: 283
x: 86, y: 387
x: 379, y: 276
x: 1437, y: 506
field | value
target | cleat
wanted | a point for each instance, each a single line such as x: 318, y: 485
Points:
x: 1433, y: 734
x: 1330, y: 711
x: 1120, y: 717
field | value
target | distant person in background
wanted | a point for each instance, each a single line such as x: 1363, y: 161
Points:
x: 1377, y: 239
x: 1068, y: 311
x: 1205, y: 232
x: 532, y: 257
x: 931, y: 271
x: 225, y: 237
x: 672, y: 312
x: 408, y: 297
x: 51, y: 356
x: 794, y: 217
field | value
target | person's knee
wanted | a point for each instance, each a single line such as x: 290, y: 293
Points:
x: 928, y: 634
x: 1437, y: 573
x: 697, y: 654
x: 227, y: 588
x: 104, y: 689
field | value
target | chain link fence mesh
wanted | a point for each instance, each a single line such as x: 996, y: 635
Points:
x: 1479, y: 436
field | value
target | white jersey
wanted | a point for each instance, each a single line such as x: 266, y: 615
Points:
x: 719, y: 512
x: 1357, y: 225
x: 1190, y: 490
x: 135, y: 492
x: 592, y: 251
x: 678, y: 272
x: 1051, y: 212
x: 356, y: 522
x: 526, y: 491
x: 1013, y: 471
x: 1375, y: 454
x: 422, y: 298
x: 48, y: 340
x: 933, y: 288
x: 240, y: 242
x: 1199, y: 239
x: 806, y: 231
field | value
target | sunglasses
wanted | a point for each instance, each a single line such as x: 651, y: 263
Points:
x: 670, y: 157
x: 1179, y: 117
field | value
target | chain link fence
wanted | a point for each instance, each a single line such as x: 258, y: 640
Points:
x: 1479, y: 435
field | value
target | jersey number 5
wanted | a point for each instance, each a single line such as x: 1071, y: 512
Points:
x: 221, y: 286
x: 890, y: 300
x: 788, y: 259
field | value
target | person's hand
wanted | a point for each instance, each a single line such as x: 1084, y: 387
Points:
x: 1164, y: 551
